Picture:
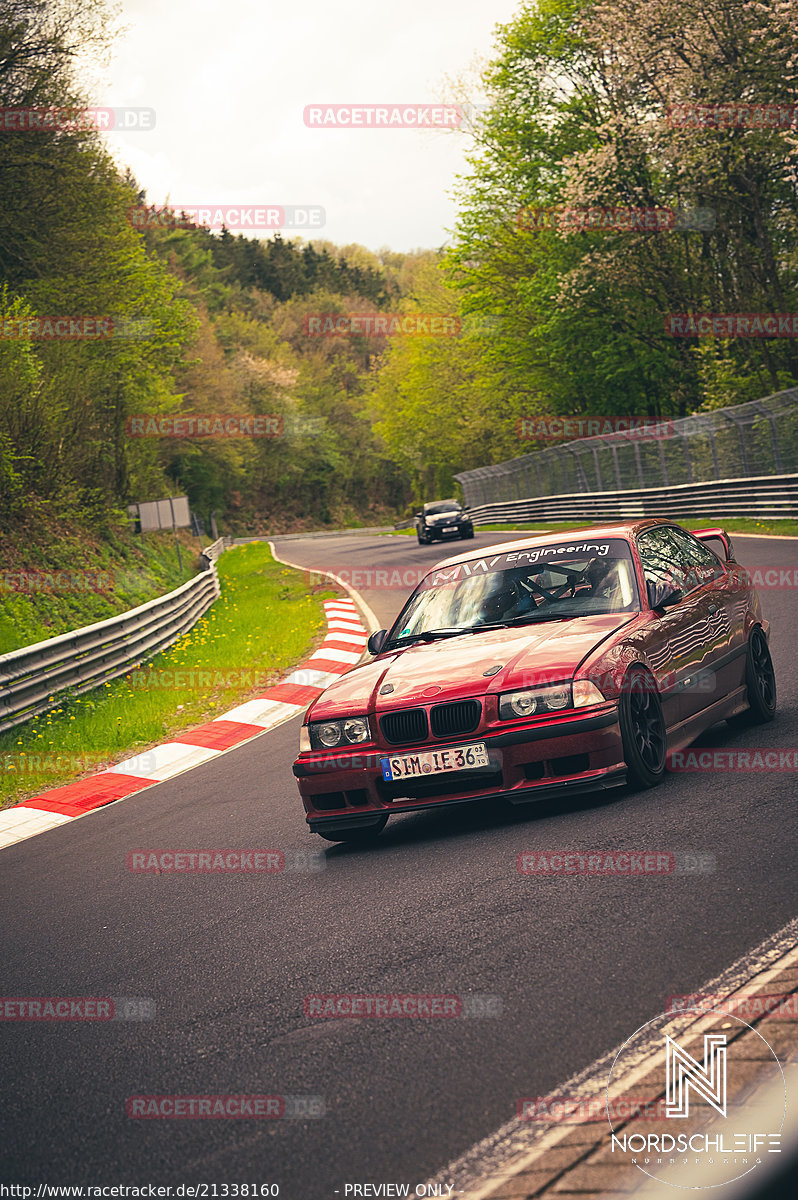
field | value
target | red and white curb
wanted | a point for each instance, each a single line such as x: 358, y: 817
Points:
x: 342, y: 647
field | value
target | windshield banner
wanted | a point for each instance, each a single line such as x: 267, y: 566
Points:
x: 513, y: 559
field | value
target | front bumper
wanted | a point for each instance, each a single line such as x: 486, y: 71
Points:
x: 433, y: 532
x: 580, y: 752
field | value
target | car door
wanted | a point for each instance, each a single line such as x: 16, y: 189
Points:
x: 692, y: 626
x: 725, y: 612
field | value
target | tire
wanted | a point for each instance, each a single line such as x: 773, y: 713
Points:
x: 464, y: 536
x: 760, y: 679
x: 643, y: 732
x: 422, y: 541
x: 358, y: 834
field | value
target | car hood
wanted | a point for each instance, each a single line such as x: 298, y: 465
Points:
x: 444, y: 518
x: 454, y: 668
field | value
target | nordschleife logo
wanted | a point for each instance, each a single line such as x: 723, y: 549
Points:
x: 706, y: 1069
x: 684, y: 1073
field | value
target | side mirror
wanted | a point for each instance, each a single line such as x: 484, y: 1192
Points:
x: 419, y: 515
x: 662, y: 595
x: 466, y: 508
x: 376, y: 641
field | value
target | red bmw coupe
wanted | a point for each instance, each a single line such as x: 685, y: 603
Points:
x: 529, y: 669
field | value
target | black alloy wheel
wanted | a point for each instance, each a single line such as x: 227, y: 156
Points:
x: 760, y: 679
x: 643, y: 730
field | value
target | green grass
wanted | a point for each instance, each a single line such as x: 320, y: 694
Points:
x: 772, y: 528
x: 83, y: 579
x: 264, y: 623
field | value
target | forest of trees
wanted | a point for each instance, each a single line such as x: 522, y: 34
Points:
x: 553, y: 318
x: 594, y: 106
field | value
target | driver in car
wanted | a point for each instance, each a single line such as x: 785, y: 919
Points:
x: 604, y: 581
x: 523, y: 592
x: 513, y: 598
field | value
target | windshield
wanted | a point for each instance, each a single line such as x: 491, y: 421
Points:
x: 442, y: 506
x: 544, y: 583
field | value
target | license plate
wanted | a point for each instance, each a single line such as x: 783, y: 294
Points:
x: 450, y: 529
x: 435, y: 762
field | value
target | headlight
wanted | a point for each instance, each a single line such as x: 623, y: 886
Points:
x: 586, y: 693
x: 534, y: 702
x: 356, y: 730
x: 304, y: 739
x: 325, y: 735
x: 330, y: 734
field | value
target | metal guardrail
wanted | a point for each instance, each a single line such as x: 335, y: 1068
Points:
x: 768, y: 496
x: 211, y: 553
x: 81, y: 660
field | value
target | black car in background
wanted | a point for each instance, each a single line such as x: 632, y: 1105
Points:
x: 442, y: 519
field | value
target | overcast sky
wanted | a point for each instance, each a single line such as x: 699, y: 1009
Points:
x: 229, y: 81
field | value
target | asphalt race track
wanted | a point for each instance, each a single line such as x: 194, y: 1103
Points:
x: 438, y: 906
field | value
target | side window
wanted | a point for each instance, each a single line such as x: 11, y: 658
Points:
x: 705, y: 564
x: 664, y: 561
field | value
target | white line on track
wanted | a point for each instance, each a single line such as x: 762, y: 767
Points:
x: 368, y: 613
